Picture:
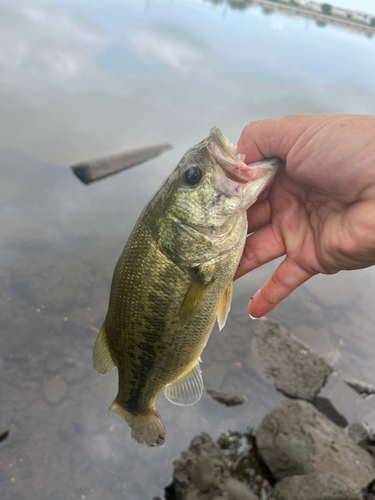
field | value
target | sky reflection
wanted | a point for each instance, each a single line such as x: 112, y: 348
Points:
x: 71, y: 74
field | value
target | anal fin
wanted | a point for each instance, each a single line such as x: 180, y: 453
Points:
x: 102, y: 359
x: 187, y: 389
x: 224, y: 307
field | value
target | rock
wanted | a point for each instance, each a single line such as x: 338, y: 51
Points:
x: 318, y: 339
x: 362, y: 388
x: 295, y: 438
x: 201, y: 474
x: 320, y: 486
x: 54, y: 390
x: 7, y: 438
x: 238, y: 491
x: 226, y: 398
x: 200, y: 469
x: 4, y: 436
x: 359, y: 434
x: 295, y: 369
x: 54, y: 365
x: 74, y: 375
x: 326, y: 407
x: 371, y: 449
x: 371, y: 488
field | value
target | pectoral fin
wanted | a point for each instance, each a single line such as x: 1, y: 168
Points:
x: 224, y: 307
x: 187, y: 389
x: 102, y: 358
x: 196, y: 294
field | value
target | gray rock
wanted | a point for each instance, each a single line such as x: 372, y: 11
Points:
x: 295, y: 438
x: 73, y: 375
x: 326, y: 407
x: 296, y: 371
x: 200, y: 470
x: 54, y: 365
x: 54, y: 390
x: 359, y: 434
x: 4, y: 435
x: 362, y: 388
x: 238, y: 491
x: 7, y: 437
x: 320, y: 486
x: 226, y: 398
x: 201, y: 474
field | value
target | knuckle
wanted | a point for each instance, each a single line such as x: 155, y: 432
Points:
x: 281, y: 284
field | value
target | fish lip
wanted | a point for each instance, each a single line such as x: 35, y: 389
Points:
x: 233, y: 167
x: 221, y: 154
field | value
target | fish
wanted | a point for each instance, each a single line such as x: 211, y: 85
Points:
x: 174, y: 279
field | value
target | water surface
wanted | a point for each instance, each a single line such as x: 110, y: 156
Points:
x: 81, y: 80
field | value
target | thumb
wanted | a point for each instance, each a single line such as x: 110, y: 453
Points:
x: 273, y: 137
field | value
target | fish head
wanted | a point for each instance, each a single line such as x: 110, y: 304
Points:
x: 212, y: 187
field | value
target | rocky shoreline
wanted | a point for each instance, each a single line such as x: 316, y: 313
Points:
x: 302, y: 449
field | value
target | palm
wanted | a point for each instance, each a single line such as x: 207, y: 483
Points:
x: 319, y: 212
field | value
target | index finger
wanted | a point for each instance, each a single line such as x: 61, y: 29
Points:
x: 274, y: 137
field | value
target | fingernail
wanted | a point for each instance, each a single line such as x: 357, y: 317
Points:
x: 252, y: 317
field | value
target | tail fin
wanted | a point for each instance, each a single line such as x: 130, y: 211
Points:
x: 146, y: 427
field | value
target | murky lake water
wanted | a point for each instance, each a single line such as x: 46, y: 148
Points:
x: 81, y: 80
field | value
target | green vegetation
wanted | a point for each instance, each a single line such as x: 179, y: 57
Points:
x: 241, y: 456
x: 327, y: 9
x: 372, y: 22
x: 238, y: 4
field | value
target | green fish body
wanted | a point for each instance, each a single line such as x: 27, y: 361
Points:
x: 174, y: 278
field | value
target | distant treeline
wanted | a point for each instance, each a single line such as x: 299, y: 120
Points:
x: 309, y: 6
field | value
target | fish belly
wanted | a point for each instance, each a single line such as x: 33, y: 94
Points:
x: 145, y: 337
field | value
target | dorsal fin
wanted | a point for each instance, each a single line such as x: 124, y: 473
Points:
x: 187, y: 389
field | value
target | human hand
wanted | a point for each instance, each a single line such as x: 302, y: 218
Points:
x: 320, y: 209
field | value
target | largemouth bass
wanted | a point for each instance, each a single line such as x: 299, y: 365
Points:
x: 174, y: 278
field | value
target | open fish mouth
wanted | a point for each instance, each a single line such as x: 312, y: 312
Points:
x: 232, y: 174
x: 233, y: 166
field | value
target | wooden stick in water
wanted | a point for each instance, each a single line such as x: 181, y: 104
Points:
x: 94, y: 170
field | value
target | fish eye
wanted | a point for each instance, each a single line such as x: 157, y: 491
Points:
x: 193, y: 175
